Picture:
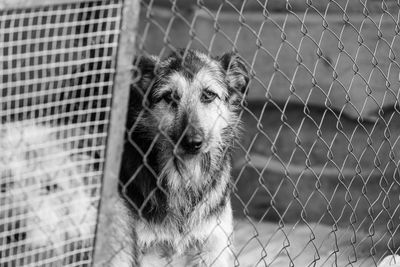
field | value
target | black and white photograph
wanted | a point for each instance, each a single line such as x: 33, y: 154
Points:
x: 200, y: 133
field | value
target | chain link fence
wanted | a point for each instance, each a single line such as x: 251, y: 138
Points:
x: 314, y: 175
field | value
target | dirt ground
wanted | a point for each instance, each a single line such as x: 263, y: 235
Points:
x: 273, y: 245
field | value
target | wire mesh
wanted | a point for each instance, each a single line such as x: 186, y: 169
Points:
x: 315, y: 174
x: 57, y: 69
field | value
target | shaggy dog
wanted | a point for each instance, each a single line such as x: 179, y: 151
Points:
x: 175, y: 176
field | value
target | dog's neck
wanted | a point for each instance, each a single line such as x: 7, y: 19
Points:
x: 193, y: 195
x: 157, y: 190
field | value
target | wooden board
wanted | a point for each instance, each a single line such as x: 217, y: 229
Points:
x: 370, y: 6
x: 344, y: 63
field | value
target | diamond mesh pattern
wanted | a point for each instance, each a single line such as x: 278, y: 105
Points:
x: 316, y: 172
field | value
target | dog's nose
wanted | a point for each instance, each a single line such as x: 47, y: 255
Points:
x: 192, y: 142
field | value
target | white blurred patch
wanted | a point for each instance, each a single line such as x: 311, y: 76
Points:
x: 390, y: 261
x: 48, y: 192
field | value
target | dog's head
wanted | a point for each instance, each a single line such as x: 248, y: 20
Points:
x: 189, y: 101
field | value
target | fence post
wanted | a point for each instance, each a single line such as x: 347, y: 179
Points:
x: 109, y: 194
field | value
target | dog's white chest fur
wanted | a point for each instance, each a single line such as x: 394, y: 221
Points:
x: 162, y: 244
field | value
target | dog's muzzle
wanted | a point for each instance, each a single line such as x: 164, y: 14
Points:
x: 193, y: 141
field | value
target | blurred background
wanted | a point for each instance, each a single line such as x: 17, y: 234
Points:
x: 321, y: 120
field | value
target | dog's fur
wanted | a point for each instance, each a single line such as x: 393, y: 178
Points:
x: 175, y: 177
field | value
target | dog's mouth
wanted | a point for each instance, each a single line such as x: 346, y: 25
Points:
x: 190, y: 158
x: 181, y: 155
x: 184, y: 162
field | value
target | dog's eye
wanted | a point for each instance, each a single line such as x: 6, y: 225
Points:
x: 168, y: 97
x: 171, y: 98
x: 208, y: 96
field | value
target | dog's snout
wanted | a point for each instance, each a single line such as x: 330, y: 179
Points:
x: 192, y: 141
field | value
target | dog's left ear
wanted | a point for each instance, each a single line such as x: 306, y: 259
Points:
x: 236, y: 76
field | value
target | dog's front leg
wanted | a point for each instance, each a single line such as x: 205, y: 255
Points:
x: 218, y: 246
x: 218, y: 250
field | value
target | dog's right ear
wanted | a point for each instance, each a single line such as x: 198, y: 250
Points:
x: 144, y: 72
x: 236, y: 76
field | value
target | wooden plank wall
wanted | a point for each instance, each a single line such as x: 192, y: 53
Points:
x: 344, y: 61
x: 329, y: 152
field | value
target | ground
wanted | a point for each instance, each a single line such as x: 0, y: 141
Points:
x: 272, y: 245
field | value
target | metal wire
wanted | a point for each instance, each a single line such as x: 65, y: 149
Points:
x: 58, y: 64
x: 316, y: 173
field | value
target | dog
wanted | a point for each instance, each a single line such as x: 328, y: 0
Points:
x: 175, y: 174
